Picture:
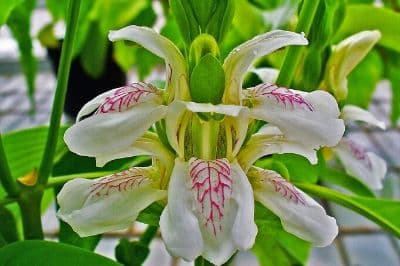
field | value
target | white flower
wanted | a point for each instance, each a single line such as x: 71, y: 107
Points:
x: 207, y: 171
x: 357, y: 161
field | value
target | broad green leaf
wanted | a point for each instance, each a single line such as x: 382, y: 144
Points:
x: 363, y: 79
x: 300, y: 169
x: 392, y: 68
x: 8, y: 226
x: 6, y: 8
x: 151, y: 215
x: 19, y: 23
x: 94, y: 51
x: 384, y: 212
x: 275, y: 246
x: 131, y: 253
x: 38, y: 252
x: 24, y: 149
x: 207, y: 81
x: 346, y: 181
x: 361, y: 17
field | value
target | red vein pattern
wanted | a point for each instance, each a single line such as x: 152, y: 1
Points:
x: 358, y: 152
x: 282, y: 95
x: 125, y: 97
x: 119, y: 182
x: 211, y: 183
x: 283, y: 187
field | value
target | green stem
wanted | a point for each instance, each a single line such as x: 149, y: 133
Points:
x: 29, y: 205
x: 6, y: 179
x: 59, y: 98
x: 293, y: 54
x: 148, y: 235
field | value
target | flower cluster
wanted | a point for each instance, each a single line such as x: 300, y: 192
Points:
x: 205, y: 175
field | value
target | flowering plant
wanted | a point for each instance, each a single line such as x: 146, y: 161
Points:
x: 218, y: 161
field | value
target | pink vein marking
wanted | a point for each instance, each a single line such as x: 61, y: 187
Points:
x: 125, y: 97
x: 282, y: 95
x: 212, y: 184
x: 283, y: 187
x: 118, y: 182
x: 358, y: 152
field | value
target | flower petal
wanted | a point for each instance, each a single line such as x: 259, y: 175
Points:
x: 299, y: 213
x: 102, y: 135
x: 345, y: 57
x: 367, y: 166
x: 231, y: 110
x: 266, y: 74
x: 143, y: 146
x: 239, y: 60
x: 270, y: 140
x: 162, y: 47
x: 178, y: 224
x: 307, y: 118
x: 121, y: 99
x: 108, y: 203
x: 355, y: 113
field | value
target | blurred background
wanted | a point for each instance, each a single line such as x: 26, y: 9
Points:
x: 25, y: 104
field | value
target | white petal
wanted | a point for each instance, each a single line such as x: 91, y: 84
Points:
x: 109, y: 203
x: 102, y: 135
x: 355, y: 113
x: 266, y: 74
x: 231, y: 110
x: 121, y: 99
x: 244, y: 229
x: 162, y: 47
x: 173, y: 123
x: 178, y: 224
x: 240, y: 59
x: 270, y: 140
x: 299, y: 213
x: 307, y: 118
x: 345, y: 57
x: 142, y: 146
x: 367, y: 166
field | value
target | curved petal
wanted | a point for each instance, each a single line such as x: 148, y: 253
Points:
x: 266, y: 74
x: 111, y: 133
x: 299, y: 213
x: 109, y: 203
x: 178, y: 224
x: 239, y: 60
x: 367, y: 166
x: 145, y: 145
x: 121, y: 99
x: 306, y: 118
x: 231, y: 110
x: 162, y: 47
x: 345, y: 57
x: 355, y: 113
x: 270, y: 140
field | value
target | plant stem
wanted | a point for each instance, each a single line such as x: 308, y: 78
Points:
x: 6, y: 178
x: 148, y: 235
x: 59, y: 98
x: 29, y: 205
x: 293, y: 54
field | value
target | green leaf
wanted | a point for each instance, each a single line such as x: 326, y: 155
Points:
x: 8, y: 226
x: 221, y: 20
x: 24, y: 149
x: 207, y: 81
x: 383, y: 19
x: 275, y: 246
x: 300, y: 169
x: 2, y: 241
x: 94, y: 51
x: 6, y: 8
x: 346, y: 181
x: 38, y: 252
x: 19, y: 23
x: 185, y: 19
x: 131, y: 253
x: 392, y: 69
x: 151, y: 215
x: 383, y: 212
x: 363, y: 79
